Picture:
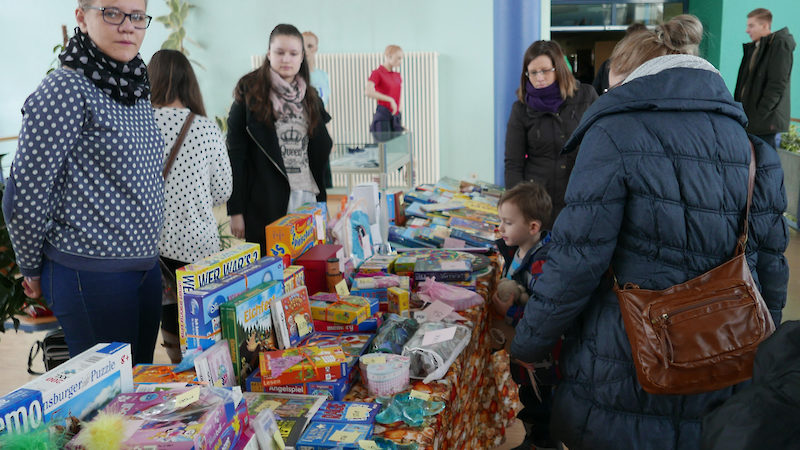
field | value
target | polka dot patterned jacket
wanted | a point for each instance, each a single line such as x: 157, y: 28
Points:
x: 85, y: 187
x: 200, y: 178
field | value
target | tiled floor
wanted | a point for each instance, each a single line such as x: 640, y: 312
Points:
x: 14, y: 346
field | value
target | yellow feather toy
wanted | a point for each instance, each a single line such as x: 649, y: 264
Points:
x: 106, y: 432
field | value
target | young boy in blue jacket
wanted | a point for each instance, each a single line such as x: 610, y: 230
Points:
x: 522, y: 210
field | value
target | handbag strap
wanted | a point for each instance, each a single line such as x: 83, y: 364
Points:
x: 742, y: 241
x: 173, y: 153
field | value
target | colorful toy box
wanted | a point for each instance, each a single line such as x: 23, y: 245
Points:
x: 442, y: 270
x: 377, y: 265
x: 202, y: 321
x: 293, y: 277
x: 350, y: 412
x: 370, y: 325
x: 161, y: 373
x: 315, y: 262
x: 247, y: 326
x: 327, y: 435
x: 208, y: 270
x: 214, y: 365
x: 377, y: 295
x: 319, y: 211
x: 299, y: 365
x: 290, y: 236
x: 76, y: 388
x: 332, y: 390
x: 347, y: 310
x: 397, y: 300
x: 291, y: 314
x: 21, y: 411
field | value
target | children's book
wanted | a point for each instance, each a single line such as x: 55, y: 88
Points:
x: 214, y: 365
x: 442, y: 270
x: 291, y: 314
x: 293, y: 412
x: 349, y: 412
x: 247, y: 327
x: 325, y: 435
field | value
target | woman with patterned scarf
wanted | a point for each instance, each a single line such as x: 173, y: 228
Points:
x: 277, y: 140
x: 83, y: 202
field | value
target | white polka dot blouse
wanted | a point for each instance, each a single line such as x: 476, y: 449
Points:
x: 85, y: 187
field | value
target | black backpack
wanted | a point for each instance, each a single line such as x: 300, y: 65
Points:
x: 54, y: 351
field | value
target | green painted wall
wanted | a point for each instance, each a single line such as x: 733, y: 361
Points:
x: 725, y: 22
x: 230, y: 32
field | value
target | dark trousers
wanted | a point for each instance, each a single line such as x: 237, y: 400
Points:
x: 385, y: 125
x: 95, y: 307
x: 169, y: 312
x: 535, y: 414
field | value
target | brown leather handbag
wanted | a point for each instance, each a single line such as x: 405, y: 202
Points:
x: 700, y: 335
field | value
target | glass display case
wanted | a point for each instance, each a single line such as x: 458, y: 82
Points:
x: 380, y: 159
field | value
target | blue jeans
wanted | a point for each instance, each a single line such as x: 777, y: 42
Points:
x: 94, y: 307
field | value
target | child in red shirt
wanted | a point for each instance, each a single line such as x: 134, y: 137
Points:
x: 384, y: 85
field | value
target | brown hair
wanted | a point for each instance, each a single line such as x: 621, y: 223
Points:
x: 172, y: 78
x: 681, y: 35
x: 253, y: 89
x: 761, y: 14
x: 309, y: 33
x: 566, y: 82
x: 532, y: 200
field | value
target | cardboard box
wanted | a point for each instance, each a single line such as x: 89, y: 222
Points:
x: 315, y: 262
x: 397, y: 300
x: 214, y: 366
x: 316, y: 364
x: 291, y: 314
x: 379, y: 295
x: 347, y: 310
x: 377, y: 264
x: 202, y: 321
x: 83, y: 384
x: 442, y: 270
x: 374, y: 303
x: 161, y: 373
x: 290, y: 236
x: 327, y: 435
x: 209, y: 270
x: 349, y: 412
x: 333, y: 390
x: 370, y: 325
x: 21, y: 411
x: 319, y: 211
x: 293, y: 277
x: 248, y: 328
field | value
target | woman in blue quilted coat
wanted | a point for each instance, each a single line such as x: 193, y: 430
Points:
x: 658, y: 191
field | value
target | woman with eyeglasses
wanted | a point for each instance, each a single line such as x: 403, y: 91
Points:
x: 83, y: 202
x: 550, y: 104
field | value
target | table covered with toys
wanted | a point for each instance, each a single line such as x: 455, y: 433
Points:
x: 317, y: 344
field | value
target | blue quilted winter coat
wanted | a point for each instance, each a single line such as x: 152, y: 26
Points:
x: 658, y: 191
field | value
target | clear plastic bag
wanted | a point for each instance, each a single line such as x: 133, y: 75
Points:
x: 431, y: 361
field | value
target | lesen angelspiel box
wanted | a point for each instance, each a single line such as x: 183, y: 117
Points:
x: 208, y: 270
x: 202, y: 305
x: 77, y: 388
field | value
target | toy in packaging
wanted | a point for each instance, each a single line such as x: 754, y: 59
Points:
x: 77, y: 388
x: 370, y: 325
x: 377, y: 297
x: 208, y: 270
x: 398, y: 300
x: 291, y: 314
x: 299, y: 365
x: 319, y: 211
x: 247, y: 326
x: 348, y: 310
x: 434, y: 347
x: 393, y: 334
x: 385, y: 374
x: 201, y: 306
x: 404, y: 265
x: 382, y: 282
x: 348, y: 412
x: 327, y: 435
x: 293, y: 277
x: 214, y: 366
x: 290, y: 236
x: 315, y: 262
x: 353, y: 345
x: 442, y: 270
x: 332, y: 390
x: 161, y: 373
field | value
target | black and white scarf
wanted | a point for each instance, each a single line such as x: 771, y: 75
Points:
x: 125, y: 82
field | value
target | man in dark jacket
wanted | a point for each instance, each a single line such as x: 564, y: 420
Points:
x: 764, y: 77
x: 658, y: 191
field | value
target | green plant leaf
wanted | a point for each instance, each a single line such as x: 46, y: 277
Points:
x: 164, y: 20
x: 170, y: 44
x: 176, y: 19
x: 173, y: 5
x: 184, y: 10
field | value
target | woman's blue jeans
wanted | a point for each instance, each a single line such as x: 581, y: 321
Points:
x: 94, y: 307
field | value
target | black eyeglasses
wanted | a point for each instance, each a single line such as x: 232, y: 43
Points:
x: 539, y: 72
x: 114, y: 16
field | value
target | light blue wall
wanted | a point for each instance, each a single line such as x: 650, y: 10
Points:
x: 785, y: 13
x: 230, y: 32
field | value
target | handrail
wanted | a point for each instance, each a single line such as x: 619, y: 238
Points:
x: 795, y: 119
x: 9, y: 138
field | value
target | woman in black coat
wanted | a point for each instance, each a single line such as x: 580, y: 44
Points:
x: 277, y: 140
x: 550, y: 105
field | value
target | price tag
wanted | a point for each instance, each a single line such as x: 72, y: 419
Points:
x: 218, y: 383
x: 187, y: 398
x: 373, y: 359
x: 348, y: 437
x: 368, y: 445
x: 437, y: 336
x: 420, y: 395
x: 272, y: 405
x: 357, y: 412
x: 341, y: 289
x: 437, y: 311
x: 302, y: 326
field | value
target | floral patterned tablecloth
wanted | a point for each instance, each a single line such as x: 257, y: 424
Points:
x: 481, y: 399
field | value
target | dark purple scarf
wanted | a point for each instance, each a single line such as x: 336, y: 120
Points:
x: 546, y: 99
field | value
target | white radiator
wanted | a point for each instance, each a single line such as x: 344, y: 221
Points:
x: 352, y: 110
